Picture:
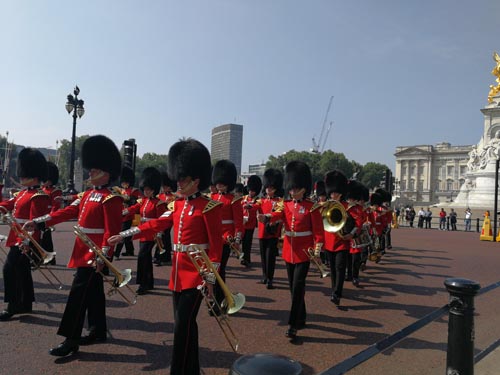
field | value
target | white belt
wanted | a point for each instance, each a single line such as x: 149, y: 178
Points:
x: 298, y: 234
x: 227, y: 221
x: 20, y: 221
x: 91, y: 230
x: 144, y: 219
x: 180, y: 248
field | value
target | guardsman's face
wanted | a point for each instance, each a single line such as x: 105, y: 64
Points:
x: 221, y: 187
x: 270, y: 191
x: 187, y: 186
x: 335, y: 196
x: 28, y: 181
x: 148, y: 192
x: 98, y: 177
x: 125, y: 185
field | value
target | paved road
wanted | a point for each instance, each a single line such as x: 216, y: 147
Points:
x: 404, y: 287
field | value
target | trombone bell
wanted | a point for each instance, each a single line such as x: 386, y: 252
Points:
x: 126, y: 277
x: 239, y: 301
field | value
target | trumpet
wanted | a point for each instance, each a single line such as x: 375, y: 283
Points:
x: 122, y: 278
x: 310, y: 253
x: 232, y: 244
x: 232, y: 302
x: 38, y: 258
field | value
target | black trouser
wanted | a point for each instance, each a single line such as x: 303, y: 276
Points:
x: 18, y: 283
x: 297, y: 274
x: 145, y: 276
x: 219, y: 294
x: 128, y: 242
x: 420, y: 222
x: 166, y: 257
x: 86, y: 296
x: 268, y: 252
x: 246, y: 244
x: 355, y: 263
x: 185, y: 357
x: 338, y: 264
x: 388, y: 239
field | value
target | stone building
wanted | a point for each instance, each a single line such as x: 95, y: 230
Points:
x: 430, y: 174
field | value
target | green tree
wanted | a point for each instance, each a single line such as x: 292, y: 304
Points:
x: 64, y: 157
x: 371, y: 174
x: 150, y: 159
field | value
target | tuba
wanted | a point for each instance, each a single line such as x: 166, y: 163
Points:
x: 122, y: 278
x: 232, y: 302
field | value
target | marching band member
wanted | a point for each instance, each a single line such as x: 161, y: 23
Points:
x: 195, y: 220
x: 379, y: 225
x: 269, y: 233
x: 303, y: 230
x: 167, y: 195
x: 99, y: 216
x: 224, y: 177
x: 149, y: 207
x: 131, y: 194
x: 28, y: 203
x: 337, y: 247
x: 55, y: 194
x: 239, y: 190
x: 250, y: 208
x: 386, y: 210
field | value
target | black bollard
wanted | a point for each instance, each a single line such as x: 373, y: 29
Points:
x: 265, y: 364
x: 460, y: 354
x: 477, y: 225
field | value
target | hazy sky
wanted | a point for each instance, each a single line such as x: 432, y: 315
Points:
x: 401, y: 72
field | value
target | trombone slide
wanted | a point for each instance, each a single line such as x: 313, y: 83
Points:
x: 323, y: 272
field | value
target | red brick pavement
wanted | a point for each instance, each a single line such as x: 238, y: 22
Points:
x: 405, y: 286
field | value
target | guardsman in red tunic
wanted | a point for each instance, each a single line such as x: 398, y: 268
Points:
x: 386, y: 211
x: 149, y: 208
x: 130, y: 194
x: 269, y: 232
x: 28, y: 203
x: 224, y: 176
x: 379, y: 225
x: 196, y: 221
x: 303, y: 226
x: 168, y: 187
x: 250, y: 209
x: 55, y: 194
x: 99, y: 213
x: 336, y: 246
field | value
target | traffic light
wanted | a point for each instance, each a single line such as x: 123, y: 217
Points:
x: 129, y: 153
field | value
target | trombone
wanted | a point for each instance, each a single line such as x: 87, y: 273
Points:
x: 232, y: 245
x: 310, y: 253
x: 38, y: 258
x: 232, y: 302
x: 121, y: 277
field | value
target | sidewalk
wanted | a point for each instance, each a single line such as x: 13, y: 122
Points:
x: 489, y: 365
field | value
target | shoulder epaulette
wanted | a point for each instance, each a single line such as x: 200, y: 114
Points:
x: 112, y: 195
x: 211, y: 204
x: 258, y: 201
x: 280, y: 205
x: 139, y: 200
x: 160, y: 202
x: 80, y: 195
x: 171, y: 205
x: 39, y: 193
x: 236, y: 199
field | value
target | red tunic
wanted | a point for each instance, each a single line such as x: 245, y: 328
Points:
x: 196, y: 221
x: 148, y: 209
x: 99, y: 213
x: 232, y: 215
x: 26, y: 205
x: 268, y: 206
x: 53, y: 192
x: 303, y: 229
x: 358, y: 213
x: 250, y: 208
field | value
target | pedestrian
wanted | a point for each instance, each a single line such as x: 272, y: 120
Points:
x: 421, y: 218
x: 453, y: 219
x: 428, y: 218
x: 411, y: 216
x: 442, y: 219
x: 468, y: 219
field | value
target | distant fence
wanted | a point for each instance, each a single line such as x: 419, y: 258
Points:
x: 476, y: 224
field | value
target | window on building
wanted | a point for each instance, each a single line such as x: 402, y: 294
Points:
x: 403, y: 171
x: 421, y: 185
x: 403, y: 185
x: 413, y: 169
x: 449, y: 184
x: 463, y: 170
x: 412, y: 185
x: 450, y: 169
x: 438, y: 185
x: 421, y: 170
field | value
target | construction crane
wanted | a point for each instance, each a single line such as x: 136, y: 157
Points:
x: 319, y: 146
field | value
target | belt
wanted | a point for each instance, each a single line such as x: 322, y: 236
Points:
x: 91, y: 230
x: 298, y: 234
x: 227, y: 221
x: 180, y: 248
x: 20, y: 221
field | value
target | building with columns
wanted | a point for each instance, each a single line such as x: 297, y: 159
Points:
x: 430, y: 174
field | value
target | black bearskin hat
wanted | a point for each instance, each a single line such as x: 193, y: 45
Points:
x: 225, y: 173
x: 336, y: 182
x: 31, y: 164
x: 52, y: 173
x: 298, y: 176
x: 100, y: 152
x: 165, y: 181
x: 151, y: 178
x: 386, y: 196
x: 355, y: 190
x: 376, y: 199
x: 273, y: 178
x: 239, y: 188
x: 127, y: 175
x: 189, y: 157
x: 319, y: 188
x: 254, y: 183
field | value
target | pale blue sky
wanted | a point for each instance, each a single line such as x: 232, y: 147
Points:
x: 402, y: 72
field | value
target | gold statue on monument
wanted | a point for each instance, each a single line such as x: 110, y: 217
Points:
x: 494, y: 90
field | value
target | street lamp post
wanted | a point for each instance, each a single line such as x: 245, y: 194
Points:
x: 74, y: 105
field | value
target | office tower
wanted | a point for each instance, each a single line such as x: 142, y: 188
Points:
x: 227, y: 141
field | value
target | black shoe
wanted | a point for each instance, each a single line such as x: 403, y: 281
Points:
x: 264, y: 281
x: 270, y: 285
x: 93, y: 338
x: 245, y: 263
x: 335, y: 299
x: 5, y: 315
x: 65, y: 348
x: 355, y: 282
x: 291, y: 333
x: 141, y: 291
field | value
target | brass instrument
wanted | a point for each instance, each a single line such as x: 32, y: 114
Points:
x: 159, y: 243
x: 310, y: 253
x: 232, y: 302
x: 122, y: 278
x: 334, y: 216
x: 364, y: 239
x: 38, y: 258
x: 232, y: 245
